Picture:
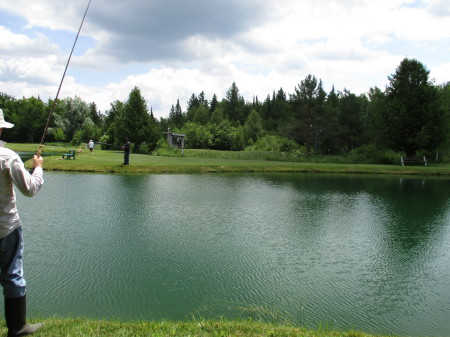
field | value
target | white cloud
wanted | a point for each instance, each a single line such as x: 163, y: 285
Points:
x: 441, y: 73
x: 439, y: 8
x: 174, y: 48
x: 27, y: 60
x: 19, y: 45
x: 51, y: 14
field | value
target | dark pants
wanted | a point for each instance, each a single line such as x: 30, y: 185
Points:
x: 11, y: 271
x: 126, y: 158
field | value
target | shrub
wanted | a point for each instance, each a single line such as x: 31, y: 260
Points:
x: 227, y: 137
x: 164, y: 149
x: 197, y: 136
x: 371, y: 154
x: 274, y: 143
x: 58, y: 134
x: 104, y: 142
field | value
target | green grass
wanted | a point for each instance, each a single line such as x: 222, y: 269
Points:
x: 295, y: 156
x: 111, y: 161
x: 241, y: 155
x: 68, y: 327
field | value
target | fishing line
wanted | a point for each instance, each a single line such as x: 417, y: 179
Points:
x: 60, y: 84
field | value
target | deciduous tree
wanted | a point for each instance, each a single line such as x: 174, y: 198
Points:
x: 252, y: 128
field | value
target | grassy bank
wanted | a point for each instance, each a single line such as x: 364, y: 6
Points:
x: 54, y: 327
x: 111, y: 162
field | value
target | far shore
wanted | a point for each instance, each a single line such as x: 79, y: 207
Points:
x: 103, y: 161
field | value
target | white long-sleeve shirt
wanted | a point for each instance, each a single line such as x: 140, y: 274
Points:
x: 13, y: 172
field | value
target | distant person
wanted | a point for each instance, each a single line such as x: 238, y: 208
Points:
x: 13, y: 173
x: 126, y: 152
x: 91, y: 146
x: 182, y: 151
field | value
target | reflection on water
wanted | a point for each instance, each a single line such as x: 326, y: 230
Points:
x: 363, y: 252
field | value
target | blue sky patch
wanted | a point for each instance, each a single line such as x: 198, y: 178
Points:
x: 64, y: 39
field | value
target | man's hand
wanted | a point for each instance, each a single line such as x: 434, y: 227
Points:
x: 38, y: 161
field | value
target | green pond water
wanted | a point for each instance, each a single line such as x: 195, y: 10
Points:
x: 343, y: 251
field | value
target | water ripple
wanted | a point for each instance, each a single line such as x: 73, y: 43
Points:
x: 354, y: 252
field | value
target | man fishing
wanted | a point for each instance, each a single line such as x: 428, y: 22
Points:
x: 13, y: 173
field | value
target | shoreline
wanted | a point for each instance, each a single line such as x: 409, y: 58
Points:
x: 147, y: 164
x: 105, y: 161
x: 196, y: 327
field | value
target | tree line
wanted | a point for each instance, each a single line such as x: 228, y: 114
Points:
x: 411, y: 116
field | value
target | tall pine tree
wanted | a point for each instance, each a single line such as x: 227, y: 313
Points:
x: 136, y: 123
x: 414, y: 119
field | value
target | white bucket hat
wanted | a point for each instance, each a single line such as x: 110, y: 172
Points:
x: 3, y: 123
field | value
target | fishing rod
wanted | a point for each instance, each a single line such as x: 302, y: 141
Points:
x: 41, y: 145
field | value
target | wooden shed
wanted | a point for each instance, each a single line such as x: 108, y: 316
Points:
x: 175, y: 139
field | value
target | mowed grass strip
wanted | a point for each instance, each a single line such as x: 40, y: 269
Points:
x: 68, y: 327
x: 112, y: 162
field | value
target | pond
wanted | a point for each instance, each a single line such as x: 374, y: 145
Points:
x: 343, y: 251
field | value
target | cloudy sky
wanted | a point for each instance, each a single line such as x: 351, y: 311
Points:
x: 173, y: 48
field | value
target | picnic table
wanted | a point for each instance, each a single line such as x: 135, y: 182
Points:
x: 69, y: 154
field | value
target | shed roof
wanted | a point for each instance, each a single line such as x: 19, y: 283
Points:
x: 175, y: 134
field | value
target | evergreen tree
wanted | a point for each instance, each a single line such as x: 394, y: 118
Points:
x: 172, y: 117
x: 444, y: 95
x: 136, y: 123
x: 266, y: 114
x: 280, y: 108
x: 256, y: 105
x: 193, y: 102
x: 350, y: 120
x: 202, y: 100
x: 198, y: 110
x: 308, y: 103
x: 179, y: 114
x: 414, y: 119
x: 214, y: 104
x: 329, y: 120
x: 95, y: 114
x: 374, y: 119
x: 151, y: 115
x: 176, y: 116
x: 234, y: 105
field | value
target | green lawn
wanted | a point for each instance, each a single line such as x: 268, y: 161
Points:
x: 111, y: 161
x: 54, y: 327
